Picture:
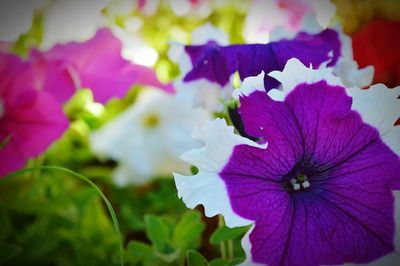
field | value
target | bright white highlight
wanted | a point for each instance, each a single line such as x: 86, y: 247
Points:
x: 145, y: 56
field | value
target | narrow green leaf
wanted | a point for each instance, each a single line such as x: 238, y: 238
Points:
x: 194, y: 258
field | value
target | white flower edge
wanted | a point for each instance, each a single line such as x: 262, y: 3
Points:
x: 346, y: 68
x: 250, y: 85
x: 246, y: 245
x: 379, y: 106
x: 295, y: 73
x: 200, y: 35
x: 207, y: 187
x: 209, y: 32
x: 177, y: 54
x: 309, y: 24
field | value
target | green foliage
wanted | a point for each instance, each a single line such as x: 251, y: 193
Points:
x: 168, y: 242
x: 225, y: 233
x: 194, y: 258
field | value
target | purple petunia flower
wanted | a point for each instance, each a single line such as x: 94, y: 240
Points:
x: 30, y: 119
x: 329, y: 47
x: 318, y: 184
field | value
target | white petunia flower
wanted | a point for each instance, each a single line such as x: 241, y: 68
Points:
x: 149, y: 137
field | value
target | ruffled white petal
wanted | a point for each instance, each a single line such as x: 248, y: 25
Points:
x: 380, y: 108
x: 208, y: 32
x: 203, y: 93
x: 392, y: 139
x: 309, y: 24
x: 207, y: 187
x: 249, y: 85
x: 296, y: 73
x: 351, y: 75
x: 178, y: 55
x: 246, y: 245
x: 347, y: 69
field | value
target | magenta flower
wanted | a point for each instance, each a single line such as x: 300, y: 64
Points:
x: 96, y: 64
x: 320, y: 191
x: 30, y: 119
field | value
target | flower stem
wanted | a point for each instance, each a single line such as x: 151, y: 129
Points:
x: 230, y: 249
x: 222, y: 247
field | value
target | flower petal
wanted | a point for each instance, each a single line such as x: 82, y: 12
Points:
x: 207, y: 187
x: 217, y: 63
x: 379, y: 106
x: 295, y: 73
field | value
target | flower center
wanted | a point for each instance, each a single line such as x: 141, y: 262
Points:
x: 151, y: 121
x: 300, y: 182
x: 299, y: 179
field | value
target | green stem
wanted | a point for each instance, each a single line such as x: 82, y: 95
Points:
x: 222, y: 247
x: 90, y: 182
x: 231, y: 254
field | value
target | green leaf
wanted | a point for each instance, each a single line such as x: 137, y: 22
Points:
x: 138, y: 251
x: 194, y: 258
x: 225, y: 233
x: 225, y: 262
x: 158, y: 232
x: 187, y: 233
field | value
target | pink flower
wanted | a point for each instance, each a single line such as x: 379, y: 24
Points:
x: 95, y: 64
x: 30, y: 119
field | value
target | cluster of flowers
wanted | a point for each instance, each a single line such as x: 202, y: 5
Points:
x: 33, y: 91
x: 312, y: 166
x: 317, y: 164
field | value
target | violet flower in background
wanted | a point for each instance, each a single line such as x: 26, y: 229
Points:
x: 200, y: 92
x: 30, y: 119
x: 217, y: 63
x: 328, y: 48
x: 318, y: 184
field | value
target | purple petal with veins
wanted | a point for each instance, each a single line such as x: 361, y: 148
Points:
x: 321, y: 193
x: 217, y: 63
